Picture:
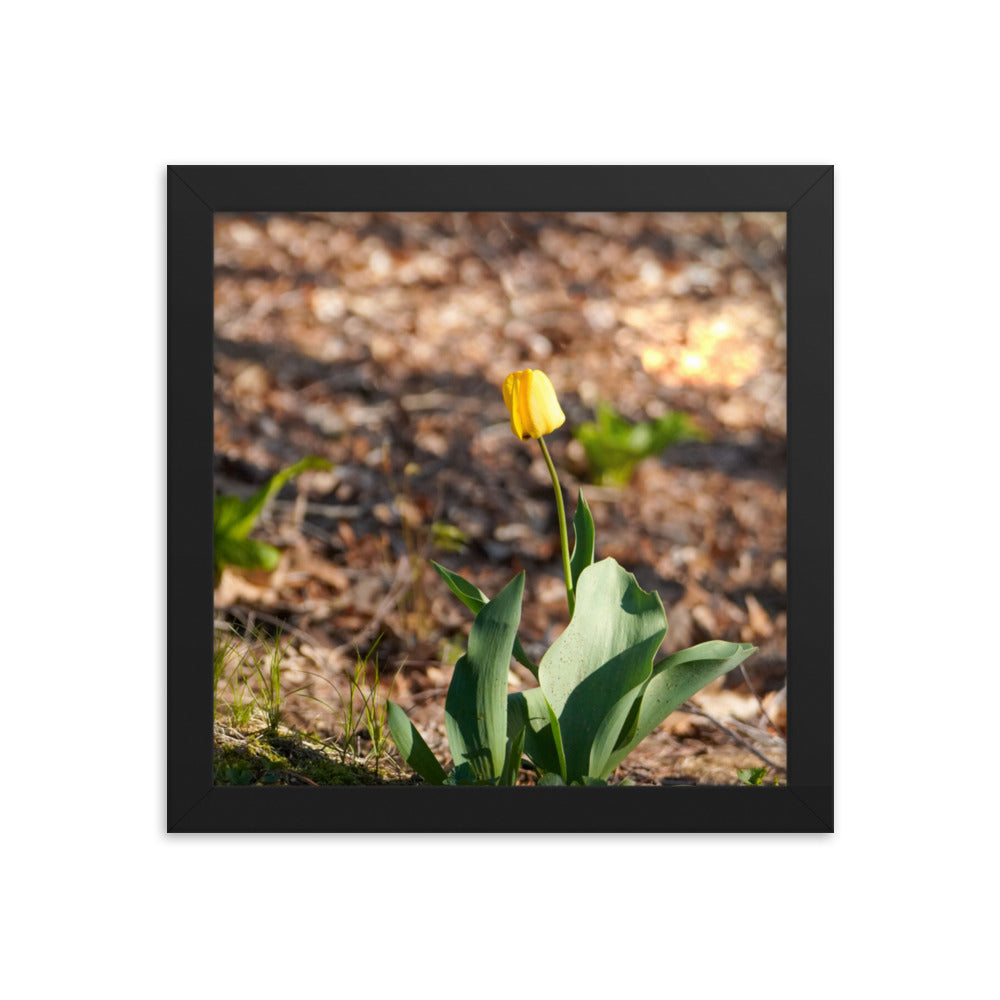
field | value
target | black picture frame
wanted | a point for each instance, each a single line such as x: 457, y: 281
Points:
x: 195, y: 193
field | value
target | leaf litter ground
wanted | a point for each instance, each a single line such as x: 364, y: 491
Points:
x: 380, y: 342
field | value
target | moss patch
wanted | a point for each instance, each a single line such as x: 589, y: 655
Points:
x: 286, y: 757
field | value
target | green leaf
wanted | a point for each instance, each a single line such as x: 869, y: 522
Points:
x: 462, y: 775
x: 468, y: 593
x: 247, y: 553
x: 233, y: 519
x: 614, y: 446
x: 622, y: 718
x: 226, y: 511
x: 630, y: 725
x: 236, y: 520
x: 476, y: 705
x: 583, y: 539
x: 549, y: 779
x: 604, y: 655
x: 475, y: 600
x: 751, y: 775
x: 557, y: 739
x: 412, y: 747
x: 674, y: 680
x: 517, y: 713
x: 448, y: 537
x: 512, y: 763
x: 530, y: 712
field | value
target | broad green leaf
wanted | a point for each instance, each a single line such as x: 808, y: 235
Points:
x: 583, y: 539
x: 238, y: 521
x: 622, y: 716
x: 628, y: 730
x: 674, y: 680
x: 412, y: 747
x: 475, y: 600
x: 476, y: 705
x: 605, y: 653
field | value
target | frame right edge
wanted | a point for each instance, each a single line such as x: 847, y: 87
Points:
x: 810, y: 325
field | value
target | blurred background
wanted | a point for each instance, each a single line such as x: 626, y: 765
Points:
x: 380, y: 342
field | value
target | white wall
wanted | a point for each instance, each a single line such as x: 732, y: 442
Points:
x: 100, y: 98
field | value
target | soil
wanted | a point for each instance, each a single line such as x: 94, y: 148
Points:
x: 380, y: 342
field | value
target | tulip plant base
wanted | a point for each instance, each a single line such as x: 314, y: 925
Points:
x: 368, y: 350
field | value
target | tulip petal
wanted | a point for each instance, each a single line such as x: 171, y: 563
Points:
x: 511, y: 388
x: 546, y: 412
x: 534, y: 408
x: 524, y: 404
x: 508, y: 388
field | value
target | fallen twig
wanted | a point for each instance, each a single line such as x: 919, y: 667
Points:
x: 691, y: 710
x: 760, y: 736
x: 760, y: 704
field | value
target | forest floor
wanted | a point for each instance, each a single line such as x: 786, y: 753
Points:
x: 380, y: 343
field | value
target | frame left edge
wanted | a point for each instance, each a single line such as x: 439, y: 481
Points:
x: 189, y: 484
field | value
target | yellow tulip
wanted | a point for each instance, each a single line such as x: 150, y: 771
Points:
x: 534, y: 409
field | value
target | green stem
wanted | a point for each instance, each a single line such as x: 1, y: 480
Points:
x: 563, y: 537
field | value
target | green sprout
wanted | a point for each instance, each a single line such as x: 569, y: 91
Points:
x: 614, y: 446
x: 234, y: 519
x: 752, y: 775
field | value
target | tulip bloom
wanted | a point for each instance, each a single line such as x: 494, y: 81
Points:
x: 534, y: 409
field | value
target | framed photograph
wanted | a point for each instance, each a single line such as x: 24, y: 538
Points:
x: 500, y: 499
